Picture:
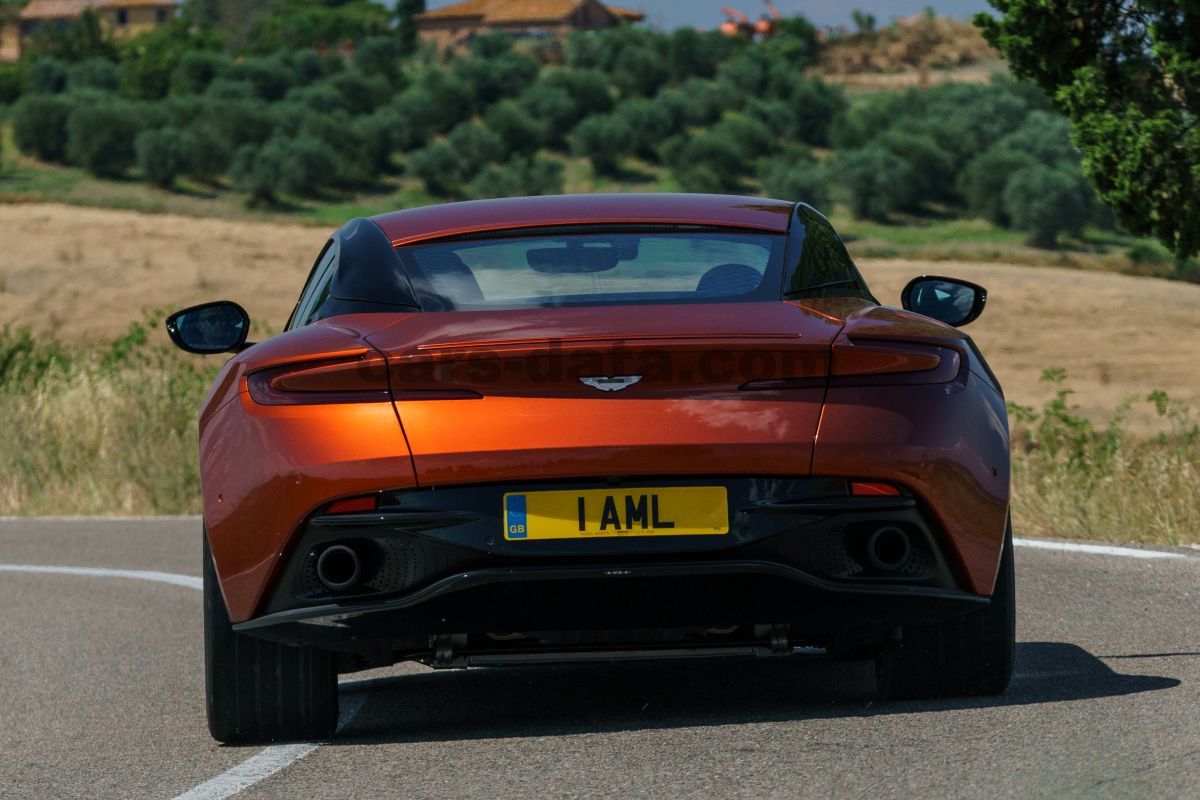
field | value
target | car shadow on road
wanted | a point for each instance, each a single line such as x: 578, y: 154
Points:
x: 553, y: 701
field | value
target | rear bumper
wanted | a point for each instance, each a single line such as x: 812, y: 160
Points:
x: 793, y: 557
x: 709, y: 594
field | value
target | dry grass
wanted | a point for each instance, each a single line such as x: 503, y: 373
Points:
x: 1078, y: 480
x: 105, y: 423
x: 920, y: 45
x: 82, y: 274
x: 110, y: 431
x: 1117, y: 336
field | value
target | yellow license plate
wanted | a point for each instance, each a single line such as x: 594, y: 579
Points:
x: 598, y: 513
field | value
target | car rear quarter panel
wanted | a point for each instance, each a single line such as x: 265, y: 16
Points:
x: 947, y: 442
x: 265, y: 468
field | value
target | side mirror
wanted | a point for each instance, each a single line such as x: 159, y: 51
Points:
x: 947, y: 300
x: 219, y: 327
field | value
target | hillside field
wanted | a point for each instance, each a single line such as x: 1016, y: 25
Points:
x: 82, y: 275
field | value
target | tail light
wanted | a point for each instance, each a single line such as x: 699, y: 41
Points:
x: 873, y: 489
x: 858, y: 362
x: 358, y: 380
x: 869, y: 362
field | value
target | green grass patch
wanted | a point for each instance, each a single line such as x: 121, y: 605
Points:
x: 1078, y: 480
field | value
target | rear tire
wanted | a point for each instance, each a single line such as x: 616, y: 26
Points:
x: 260, y: 691
x: 968, y: 656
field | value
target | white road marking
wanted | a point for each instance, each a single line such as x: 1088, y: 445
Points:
x: 254, y: 769
x: 269, y: 761
x: 1094, y: 549
x: 112, y: 518
x: 172, y: 578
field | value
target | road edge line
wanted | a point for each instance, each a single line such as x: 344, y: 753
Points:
x: 268, y: 761
x: 172, y: 578
x: 1095, y: 549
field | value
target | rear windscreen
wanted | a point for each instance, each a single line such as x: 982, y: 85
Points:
x: 596, y: 269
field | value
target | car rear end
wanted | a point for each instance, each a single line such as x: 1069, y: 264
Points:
x: 606, y: 442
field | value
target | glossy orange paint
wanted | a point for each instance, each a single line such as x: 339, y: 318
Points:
x: 266, y: 468
x: 946, y: 442
x: 536, y: 420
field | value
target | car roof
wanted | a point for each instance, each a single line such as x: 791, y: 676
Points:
x: 454, y: 219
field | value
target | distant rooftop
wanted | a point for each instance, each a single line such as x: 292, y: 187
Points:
x: 517, y: 11
x: 69, y: 9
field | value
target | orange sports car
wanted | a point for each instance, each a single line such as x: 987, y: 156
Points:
x: 602, y: 427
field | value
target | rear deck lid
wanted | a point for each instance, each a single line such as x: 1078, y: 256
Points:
x: 544, y: 393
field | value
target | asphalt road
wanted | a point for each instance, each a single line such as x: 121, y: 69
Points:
x: 101, y: 695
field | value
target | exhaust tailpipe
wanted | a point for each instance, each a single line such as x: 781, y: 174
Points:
x: 888, y: 548
x: 338, y: 567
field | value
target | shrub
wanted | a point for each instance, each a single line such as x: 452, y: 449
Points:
x: 968, y: 120
x: 196, y: 70
x: 793, y: 178
x: 815, y: 104
x: 12, y: 82
x: 184, y: 110
x: 243, y: 121
x: 494, y: 78
x: 46, y: 76
x: 207, y: 154
x: 697, y: 102
x: 230, y: 89
x: 932, y: 167
x: 307, y: 166
x: 271, y: 77
x: 639, y: 72
x: 603, y: 139
x: 519, y: 131
x: 257, y: 170
x: 439, y: 167
x: 1045, y: 202
x: 981, y: 183
x: 413, y: 117
x: 554, y: 107
x: 649, y: 123
x: 453, y: 99
x: 307, y: 65
x: 748, y: 74
x: 752, y: 137
x: 1045, y: 137
x: 691, y: 54
x: 379, y: 55
x: 587, y: 87
x: 878, y: 181
x: 162, y: 155
x: 519, y: 177
x: 476, y: 145
x: 706, y: 162
x: 40, y: 126
x: 149, y: 60
x: 95, y: 73
x: 857, y: 125
x: 361, y: 92
x: 319, y: 97
x: 491, y: 45
x: 101, y: 136
x: 775, y: 114
x: 373, y: 146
